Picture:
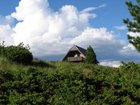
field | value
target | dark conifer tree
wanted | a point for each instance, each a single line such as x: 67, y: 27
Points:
x: 91, y: 56
x: 134, y: 24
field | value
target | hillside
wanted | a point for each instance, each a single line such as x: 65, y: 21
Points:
x: 63, y: 83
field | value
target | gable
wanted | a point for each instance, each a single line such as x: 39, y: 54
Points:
x: 75, y: 49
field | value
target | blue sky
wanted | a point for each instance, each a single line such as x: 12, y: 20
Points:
x: 7, y: 6
x: 50, y: 25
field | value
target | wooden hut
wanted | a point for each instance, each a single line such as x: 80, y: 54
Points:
x: 75, y: 54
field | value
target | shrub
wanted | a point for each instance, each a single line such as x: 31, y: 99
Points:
x: 70, y: 84
x: 2, y: 48
x: 19, y: 54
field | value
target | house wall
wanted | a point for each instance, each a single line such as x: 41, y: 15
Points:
x: 74, y: 56
x: 81, y: 55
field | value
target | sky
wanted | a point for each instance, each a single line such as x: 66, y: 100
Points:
x: 51, y: 27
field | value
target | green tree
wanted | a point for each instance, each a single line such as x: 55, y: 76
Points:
x: 2, y: 48
x: 134, y: 24
x: 19, y: 54
x: 91, y: 56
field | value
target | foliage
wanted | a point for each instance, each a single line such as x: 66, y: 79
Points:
x: 134, y: 25
x: 91, y: 56
x: 69, y: 84
x: 2, y: 48
x: 19, y: 54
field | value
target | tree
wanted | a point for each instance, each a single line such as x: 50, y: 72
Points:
x: 2, y: 48
x: 19, y: 54
x: 91, y: 56
x: 134, y: 25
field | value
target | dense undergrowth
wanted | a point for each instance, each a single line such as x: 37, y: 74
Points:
x: 63, y: 83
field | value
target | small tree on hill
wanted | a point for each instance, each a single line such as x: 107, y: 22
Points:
x: 2, y: 48
x: 19, y: 54
x: 134, y: 25
x: 91, y: 56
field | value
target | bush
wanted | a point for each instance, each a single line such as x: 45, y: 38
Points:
x: 69, y: 84
x: 19, y: 54
x: 2, y: 48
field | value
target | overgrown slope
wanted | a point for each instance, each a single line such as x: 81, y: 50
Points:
x: 64, y: 83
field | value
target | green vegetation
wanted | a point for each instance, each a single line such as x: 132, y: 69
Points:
x: 91, y: 56
x: 134, y: 25
x: 63, y: 83
x: 19, y: 54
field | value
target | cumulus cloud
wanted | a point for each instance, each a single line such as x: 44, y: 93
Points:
x: 94, y: 35
x: 104, y: 42
x: 123, y: 27
x: 54, y: 32
x: 43, y: 29
x: 5, y: 31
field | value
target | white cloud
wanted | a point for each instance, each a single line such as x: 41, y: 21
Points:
x: 43, y: 29
x: 93, y: 35
x: 127, y: 48
x: 5, y: 31
x: 30, y: 8
x: 89, y: 9
x: 123, y: 27
x: 103, y: 5
x: 134, y: 34
x: 103, y: 41
x: 110, y: 63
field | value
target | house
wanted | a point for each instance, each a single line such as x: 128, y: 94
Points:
x: 75, y: 54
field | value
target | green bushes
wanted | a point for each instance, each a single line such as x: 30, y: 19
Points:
x: 70, y: 84
x: 19, y: 54
x: 2, y: 49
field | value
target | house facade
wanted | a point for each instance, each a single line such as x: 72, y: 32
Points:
x: 75, y: 54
